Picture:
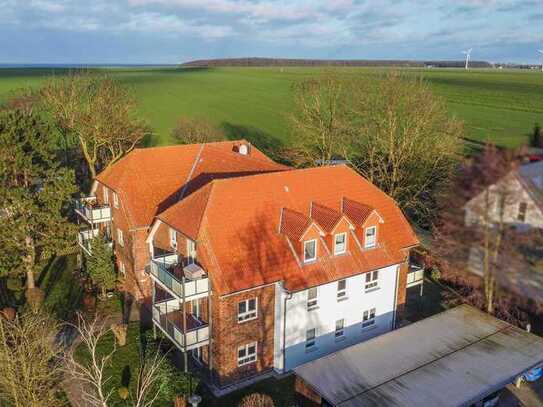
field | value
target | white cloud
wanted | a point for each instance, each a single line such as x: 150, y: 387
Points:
x: 47, y: 5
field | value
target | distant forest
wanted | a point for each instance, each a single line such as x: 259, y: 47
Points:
x: 330, y: 62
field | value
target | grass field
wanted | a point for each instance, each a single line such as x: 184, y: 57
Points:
x: 254, y: 103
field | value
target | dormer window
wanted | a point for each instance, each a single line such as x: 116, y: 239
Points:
x: 173, y: 239
x: 340, y: 243
x: 370, y: 237
x: 310, y: 250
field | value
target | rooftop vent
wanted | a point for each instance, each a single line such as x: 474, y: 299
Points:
x: 243, y: 149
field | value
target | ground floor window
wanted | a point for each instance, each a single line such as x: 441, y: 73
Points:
x: 310, y: 338
x: 340, y: 329
x: 368, y: 318
x: 247, y: 354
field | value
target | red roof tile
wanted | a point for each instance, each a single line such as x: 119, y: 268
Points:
x: 238, y: 239
x: 150, y: 180
x: 293, y: 224
x: 327, y: 218
x: 357, y: 212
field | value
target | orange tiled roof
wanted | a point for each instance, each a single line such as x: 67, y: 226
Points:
x: 293, y: 224
x: 238, y: 230
x: 327, y: 218
x: 149, y: 180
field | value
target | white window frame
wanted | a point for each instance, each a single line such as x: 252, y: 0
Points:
x: 373, y: 243
x: 248, y: 315
x: 120, y: 237
x: 336, y: 251
x: 371, y: 281
x: 310, y: 343
x: 308, y: 260
x: 368, y: 317
x: 105, y: 194
x: 313, y: 303
x: 115, y: 200
x: 248, y: 358
x: 173, y: 238
x: 341, y: 292
x: 191, y: 251
x: 122, y: 268
x: 339, y: 332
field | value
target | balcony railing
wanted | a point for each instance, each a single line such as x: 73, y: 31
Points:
x: 169, y: 273
x: 415, y: 275
x: 196, y: 333
x: 84, y: 239
x: 91, y: 211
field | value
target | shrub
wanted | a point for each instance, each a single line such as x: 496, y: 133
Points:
x: 435, y: 273
x: 256, y: 400
x: 35, y: 297
x: 123, y: 393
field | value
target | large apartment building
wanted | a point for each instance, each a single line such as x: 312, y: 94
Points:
x: 251, y: 267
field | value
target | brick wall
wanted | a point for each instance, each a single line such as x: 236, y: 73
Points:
x: 228, y: 335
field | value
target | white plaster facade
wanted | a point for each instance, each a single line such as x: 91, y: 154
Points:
x: 293, y: 319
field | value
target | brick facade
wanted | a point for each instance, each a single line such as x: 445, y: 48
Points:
x: 228, y: 335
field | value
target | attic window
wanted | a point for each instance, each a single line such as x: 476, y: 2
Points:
x: 370, y: 237
x: 173, y: 239
x: 340, y: 243
x: 310, y: 250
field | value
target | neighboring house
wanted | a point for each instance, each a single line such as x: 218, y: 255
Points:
x: 260, y: 270
x: 517, y: 197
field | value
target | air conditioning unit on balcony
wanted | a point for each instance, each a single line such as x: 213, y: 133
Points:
x: 193, y: 272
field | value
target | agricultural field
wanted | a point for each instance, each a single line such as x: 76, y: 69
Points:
x: 500, y: 106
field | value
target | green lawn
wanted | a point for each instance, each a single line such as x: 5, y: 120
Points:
x: 255, y: 102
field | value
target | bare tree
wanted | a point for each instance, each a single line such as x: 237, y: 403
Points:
x: 99, y: 112
x: 150, y: 376
x: 474, y: 234
x: 196, y: 130
x: 319, y: 119
x: 91, y: 373
x: 403, y: 140
x: 29, y: 361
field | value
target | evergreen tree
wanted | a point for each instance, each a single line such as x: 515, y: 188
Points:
x: 537, y: 137
x: 100, y: 265
x: 35, y: 191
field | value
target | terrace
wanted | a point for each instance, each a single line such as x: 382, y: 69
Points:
x: 84, y: 239
x: 184, y: 283
x: 91, y: 211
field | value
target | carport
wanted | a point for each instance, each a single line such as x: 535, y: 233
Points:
x: 455, y: 358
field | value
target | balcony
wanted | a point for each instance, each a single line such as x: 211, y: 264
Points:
x: 415, y: 275
x: 92, y: 212
x: 84, y: 239
x: 184, y: 283
x: 168, y: 317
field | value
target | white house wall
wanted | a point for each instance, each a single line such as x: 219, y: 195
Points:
x: 299, y: 319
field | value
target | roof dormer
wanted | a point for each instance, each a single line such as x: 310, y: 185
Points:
x: 335, y: 224
x: 366, y: 220
x: 303, y: 233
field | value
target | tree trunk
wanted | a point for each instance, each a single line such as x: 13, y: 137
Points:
x: 29, y: 263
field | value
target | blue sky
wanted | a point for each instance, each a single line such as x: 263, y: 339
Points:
x: 172, y: 31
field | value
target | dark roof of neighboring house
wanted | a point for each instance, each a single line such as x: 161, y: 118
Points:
x: 150, y: 180
x: 531, y: 177
x: 243, y: 240
x: 454, y: 358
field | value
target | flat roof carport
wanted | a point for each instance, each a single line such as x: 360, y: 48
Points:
x: 454, y: 358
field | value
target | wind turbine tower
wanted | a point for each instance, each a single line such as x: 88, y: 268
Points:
x: 468, y: 56
x: 541, y: 52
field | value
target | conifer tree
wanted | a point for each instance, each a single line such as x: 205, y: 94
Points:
x: 100, y: 265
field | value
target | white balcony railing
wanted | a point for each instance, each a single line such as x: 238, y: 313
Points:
x: 91, y: 211
x: 169, y: 273
x: 84, y: 239
x: 196, y: 334
x: 415, y: 275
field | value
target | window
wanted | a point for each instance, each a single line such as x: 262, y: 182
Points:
x: 310, y: 250
x: 372, y: 281
x: 341, y: 290
x: 173, y: 238
x: 340, y: 243
x: 340, y: 329
x: 247, y: 310
x: 312, y: 301
x: 115, y: 199
x: 368, y: 318
x: 522, y: 207
x: 310, y: 338
x: 106, y: 196
x: 122, y: 269
x: 370, y: 237
x: 120, y: 239
x: 191, y: 251
x: 247, y: 354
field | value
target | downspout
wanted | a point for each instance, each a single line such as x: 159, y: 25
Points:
x: 287, y: 297
x: 396, y: 297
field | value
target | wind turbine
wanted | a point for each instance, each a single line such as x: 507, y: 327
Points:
x: 541, y: 52
x: 468, y: 55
